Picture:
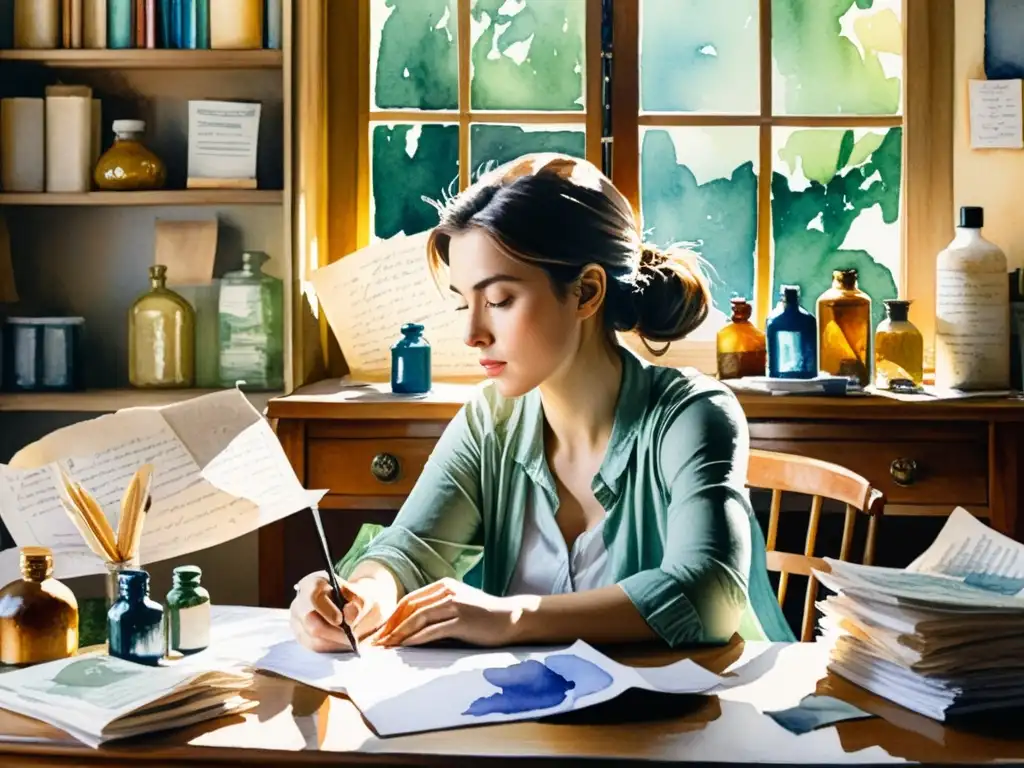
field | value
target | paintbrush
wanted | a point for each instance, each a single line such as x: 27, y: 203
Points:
x: 339, y: 600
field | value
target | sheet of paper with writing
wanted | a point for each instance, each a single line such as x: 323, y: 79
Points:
x: 996, y: 114
x: 219, y: 473
x: 367, y: 297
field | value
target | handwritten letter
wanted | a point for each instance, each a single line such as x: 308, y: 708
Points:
x: 367, y: 297
x: 996, y: 114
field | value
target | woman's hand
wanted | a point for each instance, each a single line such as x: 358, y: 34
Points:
x: 316, y: 621
x: 451, y: 609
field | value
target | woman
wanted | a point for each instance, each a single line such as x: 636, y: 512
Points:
x: 581, y: 493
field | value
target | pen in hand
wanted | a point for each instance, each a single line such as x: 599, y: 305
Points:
x: 339, y: 599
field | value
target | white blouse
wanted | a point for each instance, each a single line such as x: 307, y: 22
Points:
x: 547, y: 567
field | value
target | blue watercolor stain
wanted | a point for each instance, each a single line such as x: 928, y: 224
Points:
x: 531, y: 685
x: 990, y: 582
x: 1004, y: 25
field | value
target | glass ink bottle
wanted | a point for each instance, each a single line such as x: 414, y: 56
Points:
x: 792, y: 338
x: 38, y: 613
x: 188, y: 611
x: 135, y: 623
x: 410, y: 362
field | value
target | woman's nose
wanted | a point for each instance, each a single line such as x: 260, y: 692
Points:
x: 477, y: 333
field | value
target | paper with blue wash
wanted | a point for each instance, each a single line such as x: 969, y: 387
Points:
x: 968, y: 549
x: 409, y: 690
x: 814, y: 712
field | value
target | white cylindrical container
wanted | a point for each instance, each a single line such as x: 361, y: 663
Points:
x: 972, y: 310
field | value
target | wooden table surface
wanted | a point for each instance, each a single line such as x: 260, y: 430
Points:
x: 298, y: 725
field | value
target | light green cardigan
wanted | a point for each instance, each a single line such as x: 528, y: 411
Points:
x: 681, y: 536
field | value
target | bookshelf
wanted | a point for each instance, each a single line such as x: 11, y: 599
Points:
x: 87, y: 254
x: 146, y: 58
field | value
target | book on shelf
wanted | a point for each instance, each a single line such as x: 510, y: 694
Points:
x: 943, y: 637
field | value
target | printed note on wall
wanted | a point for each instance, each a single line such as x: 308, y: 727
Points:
x: 996, y: 114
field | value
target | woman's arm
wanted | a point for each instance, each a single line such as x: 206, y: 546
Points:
x: 698, y: 593
x: 603, y: 615
x: 434, y: 534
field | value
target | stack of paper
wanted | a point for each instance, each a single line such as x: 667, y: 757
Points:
x: 98, y: 698
x: 943, y: 637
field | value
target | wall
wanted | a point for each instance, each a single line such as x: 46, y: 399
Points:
x: 990, y: 178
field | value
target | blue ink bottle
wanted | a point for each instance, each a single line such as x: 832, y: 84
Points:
x: 135, y: 624
x: 792, y: 338
x: 188, y: 611
x: 410, y: 362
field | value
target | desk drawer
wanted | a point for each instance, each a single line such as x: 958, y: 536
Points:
x: 367, y: 467
x: 935, y: 465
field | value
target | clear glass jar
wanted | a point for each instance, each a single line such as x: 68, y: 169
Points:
x: 844, y: 329
x: 740, y: 345
x: 899, y: 346
x: 129, y: 164
x: 161, y: 336
x: 250, y: 314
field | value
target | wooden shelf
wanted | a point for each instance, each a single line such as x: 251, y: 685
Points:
x: 135, y: 58
x: 160, y: 197
x: 107, y: 400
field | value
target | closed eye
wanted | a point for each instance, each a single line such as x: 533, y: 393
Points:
x: 500, y: 304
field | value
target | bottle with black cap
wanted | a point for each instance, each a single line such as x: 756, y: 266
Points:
x: 972, y: 310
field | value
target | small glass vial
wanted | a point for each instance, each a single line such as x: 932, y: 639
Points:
x: 844, y: 329
x: 740, y: 345
x: 135, y: 624
x: 128, y: 164
x: 899, y: 347
x: 410, y: 362
x: 188, y: 611
x: 161, y: 337
x: 250, y: 311
x: 792, y: 338
x: 38, y: 613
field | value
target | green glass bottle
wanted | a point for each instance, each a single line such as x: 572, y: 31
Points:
x: 251, y: 323
x: 161, y: 336
x: 188, y: 611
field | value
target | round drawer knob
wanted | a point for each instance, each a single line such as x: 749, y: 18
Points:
x: 903, y: 471
x: 385, y: 467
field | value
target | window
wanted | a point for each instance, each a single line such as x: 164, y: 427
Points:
x: 774, y: 136
x: 458, y: 87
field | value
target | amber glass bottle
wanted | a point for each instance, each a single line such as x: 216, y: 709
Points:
x: 129, y: 164
x: 844, y: 329
x: 161, y: 336
x: 899, y: 346
x: 38, y: 614
x: 741, y: 345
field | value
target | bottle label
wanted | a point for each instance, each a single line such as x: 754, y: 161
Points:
x: 239, y: 301
x: 972, y: 329
x: 789, y: 346
x: 193, y: 628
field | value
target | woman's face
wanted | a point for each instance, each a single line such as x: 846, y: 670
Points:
x: 523, y: 332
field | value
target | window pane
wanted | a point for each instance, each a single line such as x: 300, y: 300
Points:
x: 409, y: 162
x: 699, y: 56
x: 414, y: 54
x: 837, y: 57
x: 528, y: 54
x: 492, y: 145
x: 698, y: 185
x: 836, y: 205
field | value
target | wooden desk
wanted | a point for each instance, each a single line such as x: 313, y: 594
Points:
x: 297, y: 725
x: 367, y: 448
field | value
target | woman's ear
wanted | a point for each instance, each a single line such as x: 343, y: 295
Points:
x: 591, y: 288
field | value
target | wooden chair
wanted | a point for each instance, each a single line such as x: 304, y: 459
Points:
x: 782, y: 473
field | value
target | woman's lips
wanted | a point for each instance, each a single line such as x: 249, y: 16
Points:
x: 493, y: 367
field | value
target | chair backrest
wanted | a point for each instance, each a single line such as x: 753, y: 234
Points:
x: 782, y: 473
